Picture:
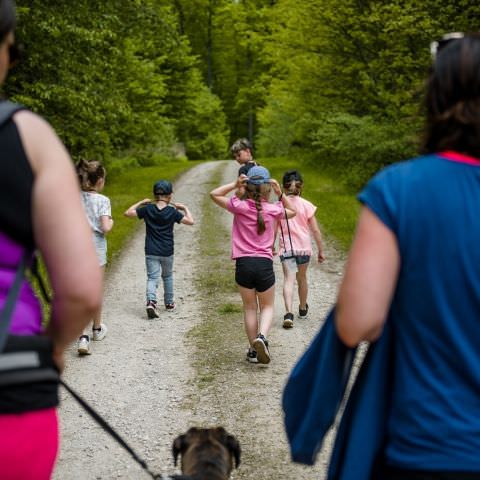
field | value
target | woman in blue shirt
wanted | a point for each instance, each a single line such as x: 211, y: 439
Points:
x: 415, y: 260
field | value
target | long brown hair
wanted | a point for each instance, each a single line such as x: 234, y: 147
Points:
x: 258, y: 193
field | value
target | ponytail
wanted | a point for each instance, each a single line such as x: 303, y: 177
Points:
x: 258, y: 204
x: 89, y: 173
x: 258, y: 193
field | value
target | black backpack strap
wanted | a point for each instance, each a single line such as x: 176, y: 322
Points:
x: 7, y: 109
x: 11, y: 300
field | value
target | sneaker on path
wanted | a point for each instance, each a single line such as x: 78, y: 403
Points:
x: 288, y: 320
x: 170, y: 306
x: 83, y: 347
x: 302, y: 313
x: 252, y: 355
x: 99, y: 333
x: 260, y: 344
x: 152, y: 309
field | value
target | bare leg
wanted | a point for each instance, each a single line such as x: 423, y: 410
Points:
x: 97, y: 319
x: 302, y: 285
x: 266, y: 301
x: 288, y: 284
x: 249, y: 299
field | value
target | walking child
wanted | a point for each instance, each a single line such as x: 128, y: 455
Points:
x: 253, y: 235
x: 296, y: 245
x: 99, y: 214
x: 160, y: 217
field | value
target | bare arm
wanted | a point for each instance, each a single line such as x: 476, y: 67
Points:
x: 132, y: 211
x: 317, y: 237
x: 370, y: 278
x: 289, y: 210
x: 187, y: 218
x: 106, y: 223
x: 64, y: 238
x: 219, y: 194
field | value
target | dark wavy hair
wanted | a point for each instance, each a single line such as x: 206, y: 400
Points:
x: 452, y: 100
x: 8, y: 19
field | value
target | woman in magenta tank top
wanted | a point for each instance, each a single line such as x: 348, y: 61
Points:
x: 37, y: 177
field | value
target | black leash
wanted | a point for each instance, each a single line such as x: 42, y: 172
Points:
x: 103, y: 423
x: 5, y: 317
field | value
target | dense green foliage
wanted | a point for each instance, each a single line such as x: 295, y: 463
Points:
x: 336, y: 82
x: 116, y: 78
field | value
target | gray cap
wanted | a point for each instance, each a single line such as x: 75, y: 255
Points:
x: 258, y: 175
x: 162, y: 187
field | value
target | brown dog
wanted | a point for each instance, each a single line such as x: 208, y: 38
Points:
x: 207, y: 453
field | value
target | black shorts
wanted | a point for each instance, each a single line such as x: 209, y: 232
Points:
x: 255, y: 272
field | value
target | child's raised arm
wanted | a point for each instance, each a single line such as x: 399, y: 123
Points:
x: 132, y: 211
x: 219, y: 195
x: 187, y: 217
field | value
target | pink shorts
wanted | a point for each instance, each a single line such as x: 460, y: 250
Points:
x: 28, y: 445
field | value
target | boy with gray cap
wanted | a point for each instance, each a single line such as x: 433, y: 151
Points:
x: 160, y: 216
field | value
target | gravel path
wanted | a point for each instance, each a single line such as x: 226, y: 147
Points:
x: 142, y: 380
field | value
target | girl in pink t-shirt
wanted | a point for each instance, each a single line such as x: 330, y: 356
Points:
x: 253, y: 235
x: 296, y: 245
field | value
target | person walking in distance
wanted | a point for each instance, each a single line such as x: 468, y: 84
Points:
x: 160, y: 217
x: 40, y: 209
x: 99, y: 214
x: 296, y: 245
x: 253, y: 234
x: 242, y: 152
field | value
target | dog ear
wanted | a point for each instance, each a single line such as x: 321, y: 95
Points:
x: 179, y: 446
x: 234, y: 446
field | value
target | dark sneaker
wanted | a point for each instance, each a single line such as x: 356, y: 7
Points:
x: 303, y: 313
x: 170, y: 306
x: 260, y: 344
x: 288, y: 320
x: 252, y: 355
x: 152, y: 309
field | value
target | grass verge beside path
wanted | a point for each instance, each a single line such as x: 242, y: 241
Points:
x: 337, y: 206
x: 221, y: 325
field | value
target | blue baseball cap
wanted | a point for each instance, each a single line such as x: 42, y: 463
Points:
x: 162, y: 187
x: 258, y: 175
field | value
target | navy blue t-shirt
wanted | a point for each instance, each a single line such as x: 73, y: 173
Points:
x: 432, y: 205
x: 159, y: 225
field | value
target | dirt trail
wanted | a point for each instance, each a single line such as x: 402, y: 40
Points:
x: 141, y: 378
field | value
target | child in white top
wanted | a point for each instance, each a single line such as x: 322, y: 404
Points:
x: 99, y: 214
x: 296, y: 245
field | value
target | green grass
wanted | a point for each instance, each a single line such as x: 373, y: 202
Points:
x: 337, y: 206
x: 126, y: 188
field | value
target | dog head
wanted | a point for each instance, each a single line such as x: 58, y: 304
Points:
x: 207, y: 453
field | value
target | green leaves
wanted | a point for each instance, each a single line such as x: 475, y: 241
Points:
x: 113, y: 77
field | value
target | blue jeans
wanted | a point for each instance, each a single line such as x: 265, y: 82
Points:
x: 155, y: 265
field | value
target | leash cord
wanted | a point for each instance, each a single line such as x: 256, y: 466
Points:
x: 103, y: 423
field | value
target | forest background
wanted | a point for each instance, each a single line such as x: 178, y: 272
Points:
x: 334, y: 84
